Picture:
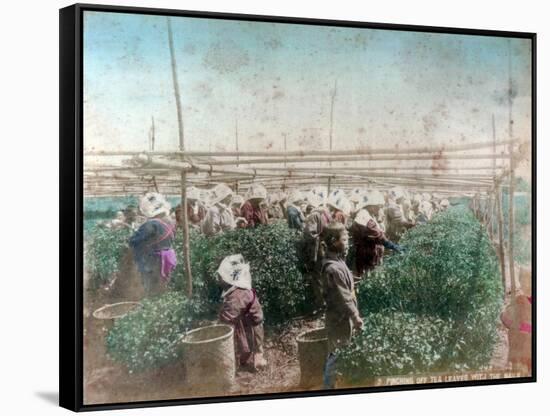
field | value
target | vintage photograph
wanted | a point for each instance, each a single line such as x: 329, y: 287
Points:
x: 274, y: 207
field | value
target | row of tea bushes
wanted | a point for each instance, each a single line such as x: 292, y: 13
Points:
x: 104, y: 250
x: 148, y: 337
x: 272, y: 252
x: 434, y: 307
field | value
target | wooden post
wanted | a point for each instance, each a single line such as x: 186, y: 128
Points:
x: 332, y: 99
x: 186, y: 250
x: 500, y: 221
x: 511, y: 216
x: 185, y: 230
x: 284, y: 143
x: 237, y: 139
x: 511, y: 227
x: 176, y: 85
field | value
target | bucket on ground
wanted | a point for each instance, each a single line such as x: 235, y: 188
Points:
x: 312, y: 353
x: 108, y: 313
x: 209, y: 358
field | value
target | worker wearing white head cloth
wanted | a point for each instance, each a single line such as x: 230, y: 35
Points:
x: 242, y: 310
x: 339, y: 206
x: 152, y: 243
x: 396, y: 223
x: 252, y: 211
x: 315, y: 223
x: 219, y: 217
x: 196, y: 212
x: 368, y: 237
x: 294, y: 215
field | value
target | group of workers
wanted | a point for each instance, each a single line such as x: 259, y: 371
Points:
x: 325, y: 220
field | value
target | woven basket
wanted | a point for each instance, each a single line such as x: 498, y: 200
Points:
x: 209, y: 357
x: 115, y: 310
x: 312, y: 353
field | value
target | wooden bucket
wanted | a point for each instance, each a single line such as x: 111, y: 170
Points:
x: 312, y: 354
x: 209, y: 358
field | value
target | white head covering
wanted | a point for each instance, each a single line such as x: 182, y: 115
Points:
x: 363, y: 202
x: 235, y: 272
x: 316, y: 196
x: 337, y: 199
x: 426, y: 208
x: 362, y: 217
x: 444, y: 203
x: 219, y: 193
x: 204, y: 196
x: 256, y: 191
x: 152, y: 204
x: 295, y: 197
x: 375, y: 197
x: 426, y: 196
x: 193, y: 193
x: 237, y: 200
x: 396, y: 193
x: 355, y: 195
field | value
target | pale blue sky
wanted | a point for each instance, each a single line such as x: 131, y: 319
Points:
x: 393, y: 87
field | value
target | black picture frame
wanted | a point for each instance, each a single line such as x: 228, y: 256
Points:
x: 71, y: 202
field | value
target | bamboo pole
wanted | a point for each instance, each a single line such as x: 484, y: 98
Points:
x: 511, y: 208
x: 354, y: 158
x: 185, y: 230
x: 186, y: 250
x: 435, y: 150
x: 500, y: 218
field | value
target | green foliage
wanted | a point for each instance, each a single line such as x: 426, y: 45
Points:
x: 274, y: 265
x: 148, y: 336
x: 448, y: 277
x: 397, y: 343
x: 104, y: 250
x: 449, y: 269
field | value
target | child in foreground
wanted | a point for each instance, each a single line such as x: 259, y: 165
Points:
x: 242, y: 310
x: 342, y: 315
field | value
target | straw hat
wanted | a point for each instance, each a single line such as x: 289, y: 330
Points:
x: 152, y: 204
x: 234, y: 271
x: 219, y: 193
x: 256, y: 191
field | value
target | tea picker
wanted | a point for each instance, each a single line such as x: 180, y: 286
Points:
x: 152, y: 243
x: 242, y: 310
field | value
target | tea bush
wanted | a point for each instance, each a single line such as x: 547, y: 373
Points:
x: 449, y: 273
x: 397, y: 343
x: 148, y: 337
x: 104, y: 249
x: 273, y: 256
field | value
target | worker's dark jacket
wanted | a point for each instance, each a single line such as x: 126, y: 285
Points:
x: 152, y: 237
x: 368, y: 241
x: 242, y: 310
x: 396, y: 222
x: 341, y: 304
x: 254, y: 216
x: 314, y: 226
x: 295, y: 218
